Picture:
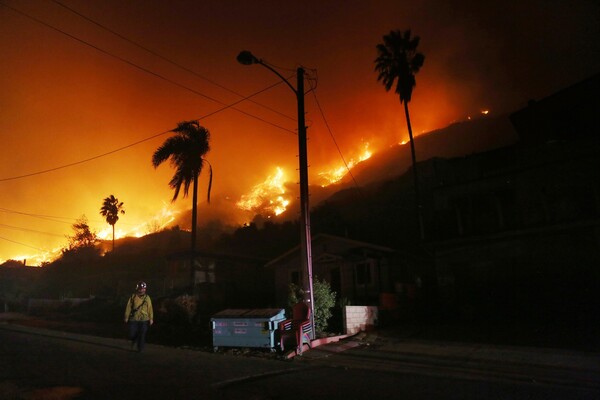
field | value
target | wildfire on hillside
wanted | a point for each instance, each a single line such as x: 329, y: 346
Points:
x: 271, y: 198
x: 268, y: 197
x: 482, y: 112
x: 39, y: 258
x: 335, y: 174
x: 157, y: 223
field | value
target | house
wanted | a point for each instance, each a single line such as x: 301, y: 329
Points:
x: 227, y: 281
x: 516, y: 230
x: 358, y: 272
x: 15, y: 281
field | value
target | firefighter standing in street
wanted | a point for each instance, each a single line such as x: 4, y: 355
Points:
x: 139, y: 316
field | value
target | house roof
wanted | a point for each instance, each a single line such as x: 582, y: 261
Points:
x: 570, y: 113
x: 326, y: 237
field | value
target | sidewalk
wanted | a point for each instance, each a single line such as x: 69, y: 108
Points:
x: 394, y: 351
x: 382, y: 352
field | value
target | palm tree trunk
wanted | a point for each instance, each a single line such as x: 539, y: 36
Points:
x: 194, y: 228
x: 113, y: 246
x: 419, y: 209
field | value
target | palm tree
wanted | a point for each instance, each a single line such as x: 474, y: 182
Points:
x: 397, y: 63
x: 186, y: 150
x: 111, y: 208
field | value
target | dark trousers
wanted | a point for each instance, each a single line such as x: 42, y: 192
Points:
x: 137, y: 333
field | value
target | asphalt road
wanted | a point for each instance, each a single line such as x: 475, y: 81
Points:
x: 41, y: 364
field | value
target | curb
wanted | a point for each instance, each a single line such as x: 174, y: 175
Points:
x: 314, y: 344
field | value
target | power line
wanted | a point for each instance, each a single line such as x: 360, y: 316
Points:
x: 22, y: 244
x: 28, y: 230
x: 46, y: 217
x: 168, y: 60
x: 333, y: 138
x: 129, y: 145
x: 82, y: 161
x: 226, y: 106
x: 146, y: 70
x: 52, y: 218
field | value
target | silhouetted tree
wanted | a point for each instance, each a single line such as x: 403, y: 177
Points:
x: 397, y: 63
x: 111, y: 208
x: 83, y: 243
x: 186, y: 150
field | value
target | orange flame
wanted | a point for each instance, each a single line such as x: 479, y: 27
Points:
x: 38, y: 259
x: 155, y: 224
x: 335, y: 174
x: 269, y: 197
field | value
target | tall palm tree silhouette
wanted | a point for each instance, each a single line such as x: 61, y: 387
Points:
x: 111, y: 208
x: 397, y: 63
x: 186, y: 150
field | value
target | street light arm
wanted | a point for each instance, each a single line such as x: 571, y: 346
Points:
x: 278, y: 74
x: 247, y: 58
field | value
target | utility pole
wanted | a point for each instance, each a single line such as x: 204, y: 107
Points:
x: 305, y: 236
x: 247, y: 58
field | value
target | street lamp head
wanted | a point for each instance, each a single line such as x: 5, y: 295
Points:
x: 247, y: 58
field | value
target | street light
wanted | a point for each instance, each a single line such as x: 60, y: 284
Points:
x: 247, y: 58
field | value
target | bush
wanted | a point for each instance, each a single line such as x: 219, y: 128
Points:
x: 324, y: 301
x: 181, y: 309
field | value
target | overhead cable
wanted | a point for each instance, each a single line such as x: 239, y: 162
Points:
x: 148, y: 71
x: 28, y: 230
x: 154, y: 53
x: 22, y: 244
x: 333, y: 138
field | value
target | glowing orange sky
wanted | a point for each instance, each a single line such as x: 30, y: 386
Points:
x: 62, y: 101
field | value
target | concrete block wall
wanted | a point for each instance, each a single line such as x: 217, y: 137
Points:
x: 360, y: 318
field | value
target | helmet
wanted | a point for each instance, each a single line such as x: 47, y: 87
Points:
x: 140, y: 285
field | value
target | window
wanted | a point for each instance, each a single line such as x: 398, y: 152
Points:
x: 363, y: 274
x: 204, y: 272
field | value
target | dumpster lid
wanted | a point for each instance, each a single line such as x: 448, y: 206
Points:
x: 257, y: 312
x: 264, y: 312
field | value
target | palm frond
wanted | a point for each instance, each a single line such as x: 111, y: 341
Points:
x: 398, y: 61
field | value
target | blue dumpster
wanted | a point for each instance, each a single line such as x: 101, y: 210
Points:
x: 247, y: 327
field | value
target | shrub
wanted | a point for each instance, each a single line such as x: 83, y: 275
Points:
x: 181, y: 309
x: 188, y: 304
x: 324, y: 301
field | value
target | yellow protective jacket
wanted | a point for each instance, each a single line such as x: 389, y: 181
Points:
x: 142, y: 306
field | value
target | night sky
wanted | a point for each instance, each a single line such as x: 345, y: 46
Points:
x: 73, y: 93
